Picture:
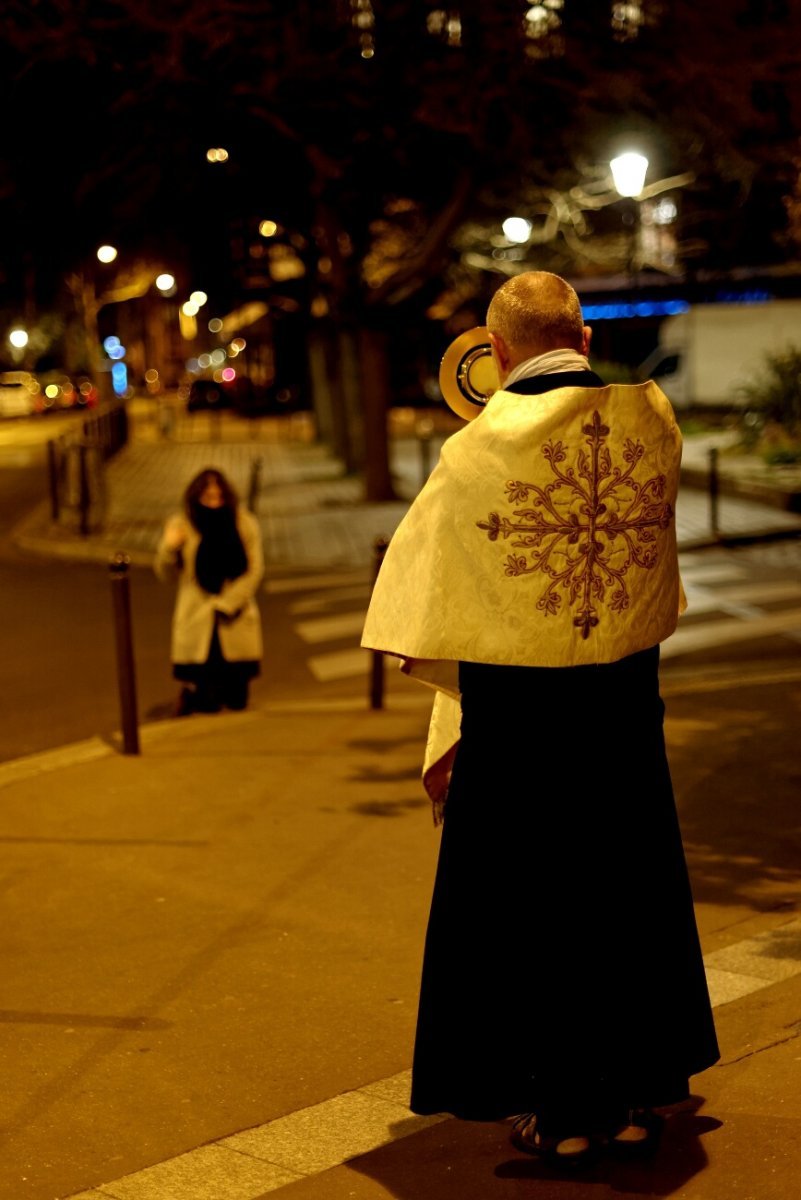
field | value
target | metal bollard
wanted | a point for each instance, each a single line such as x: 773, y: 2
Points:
x: 52, y: 473
x: 123, y: 636
x: 83, y: 492
x: 255, y: 483
x: 376, y: 656
x: 714, y: 491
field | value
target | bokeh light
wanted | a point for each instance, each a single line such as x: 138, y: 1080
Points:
x: 516, y: 229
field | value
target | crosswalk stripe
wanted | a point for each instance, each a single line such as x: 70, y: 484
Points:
x: 339, y: 664
x: 693, y: 571
x: 320, y: 603
x: 302, y: 583
x: 328, y: 629
x: 720, y: 633
x: 703, y: 600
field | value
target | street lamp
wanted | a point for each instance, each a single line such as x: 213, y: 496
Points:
x: 516, y: 230
x: 628, y: 173
x: 18, y: 338
x: 628, y: 176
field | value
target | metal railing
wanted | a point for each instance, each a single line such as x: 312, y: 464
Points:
x: 75, y: 463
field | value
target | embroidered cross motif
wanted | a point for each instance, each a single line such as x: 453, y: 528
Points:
x: 587, y: 528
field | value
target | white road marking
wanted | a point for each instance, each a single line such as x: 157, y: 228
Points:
x: 311, y: 604
x: 339, y: 664
x: 329, y: 629
x: 720, y: 633
x: 698, y: 572
x: 301, y: 583
x: 702, y: 599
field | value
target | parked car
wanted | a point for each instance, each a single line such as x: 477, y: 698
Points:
x: 19, y: 391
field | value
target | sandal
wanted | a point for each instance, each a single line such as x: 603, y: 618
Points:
x: 571, y: 1153
x: 639, y: 1137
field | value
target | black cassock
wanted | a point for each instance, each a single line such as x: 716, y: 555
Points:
x: 562, y: 968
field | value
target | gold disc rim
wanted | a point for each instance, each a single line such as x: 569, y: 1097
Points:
x: 461, y: 396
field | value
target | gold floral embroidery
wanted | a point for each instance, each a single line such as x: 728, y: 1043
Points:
x: 587, y: 528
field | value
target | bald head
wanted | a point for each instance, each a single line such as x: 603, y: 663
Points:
x: 536, y: 312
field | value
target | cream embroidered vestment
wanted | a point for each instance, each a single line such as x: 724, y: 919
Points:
x: 544, y: 537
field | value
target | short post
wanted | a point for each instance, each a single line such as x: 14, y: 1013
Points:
x: 376, y: 656
x: 84, y: 499
x: 52, y: 472
x: 424, y: 430
x: 123, y: 636
x: 255, y: 484
x: 714, y: 491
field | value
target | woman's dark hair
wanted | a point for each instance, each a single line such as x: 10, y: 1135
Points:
x: 198, y: 486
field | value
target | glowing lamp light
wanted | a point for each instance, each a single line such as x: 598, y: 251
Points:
x: 628, y: 173
x: 217, y: 155
x: 229, y: 374
x: 110, y: 343
x: 217, y: 358
x: 18, y: 338
x: 516, y: 229
x: 268, y: 228
x: 204, y: 361
x: 106, y: 254
x: 198, y: 298
x: 165, y: 282
x: 190, y: 309
x: 215, y: 325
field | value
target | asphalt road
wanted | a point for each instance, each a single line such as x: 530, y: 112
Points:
x: 57, y: 636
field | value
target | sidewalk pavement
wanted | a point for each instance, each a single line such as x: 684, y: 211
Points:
x: 312, y: 514
x: 212, y: 956
x: 212, y: 950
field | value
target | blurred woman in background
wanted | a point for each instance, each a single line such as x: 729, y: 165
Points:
x: 214, y: 551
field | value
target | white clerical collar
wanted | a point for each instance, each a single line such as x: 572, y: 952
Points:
x: 548, y: 364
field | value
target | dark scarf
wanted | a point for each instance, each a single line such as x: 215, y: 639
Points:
x: 536, y: 385
x: 220, y: 555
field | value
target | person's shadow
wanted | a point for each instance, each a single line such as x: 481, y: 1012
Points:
x: 462, y: 1160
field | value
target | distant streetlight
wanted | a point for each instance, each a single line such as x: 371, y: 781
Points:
x: 516, y: 229
x: 165, y: 283
x: 217, y: 154
x: 198, y: 298
x: 628, y: 173
x: 628, y: 176
x: 18, y: 338
x: 106, y: 254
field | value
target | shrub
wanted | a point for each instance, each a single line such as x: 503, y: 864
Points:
x: 776, y: 391
x: 614, y: 372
